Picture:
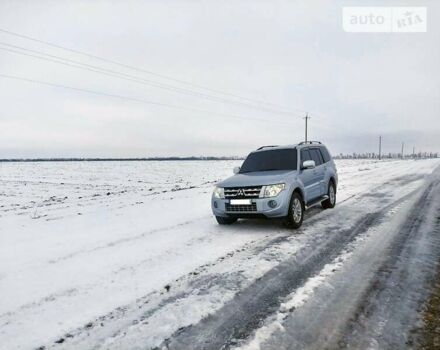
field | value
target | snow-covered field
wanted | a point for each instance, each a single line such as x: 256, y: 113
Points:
x: 127, y: 255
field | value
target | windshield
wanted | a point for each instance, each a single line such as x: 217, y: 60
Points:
x: 280, y: 159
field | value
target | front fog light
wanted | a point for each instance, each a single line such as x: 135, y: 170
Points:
x: 219, y: 192
x: 272, y: 203
x: 273, y: 190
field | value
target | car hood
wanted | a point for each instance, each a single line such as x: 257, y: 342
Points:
x: 258, y: 178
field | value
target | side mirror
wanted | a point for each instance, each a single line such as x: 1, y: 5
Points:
x: 308, y: 164
x: 236, y: 170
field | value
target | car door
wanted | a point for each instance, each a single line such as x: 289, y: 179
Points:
x: 319, y: 170
x: 309, y: 177
x: 326, y: 157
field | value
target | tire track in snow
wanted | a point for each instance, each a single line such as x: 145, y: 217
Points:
x: 373, y: 302
x: 416, y: 250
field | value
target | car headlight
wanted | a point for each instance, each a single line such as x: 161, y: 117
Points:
x: 219, y: 192
x: 273, y: 190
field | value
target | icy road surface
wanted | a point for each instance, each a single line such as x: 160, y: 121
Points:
x: 118, y: 255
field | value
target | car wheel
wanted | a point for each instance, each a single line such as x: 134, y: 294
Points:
x: 296, y: 211
x: 331, y: 193
x: 222, y: 220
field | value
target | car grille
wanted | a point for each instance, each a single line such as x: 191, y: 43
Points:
x: 242, y: 192
x: 241, y: 208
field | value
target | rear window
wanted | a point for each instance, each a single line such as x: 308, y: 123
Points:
x: 325, y: 154
x: 316, y: 156
x: 280, y: 159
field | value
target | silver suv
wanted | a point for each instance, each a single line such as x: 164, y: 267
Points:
x: 278, y: 182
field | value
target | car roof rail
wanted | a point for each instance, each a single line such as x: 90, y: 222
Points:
x: 310, y: 143
x: 262, y: 147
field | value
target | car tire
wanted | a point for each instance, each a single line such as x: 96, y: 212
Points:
x: 296, y: 211
x: 225, y: 220
x: 331, y: 193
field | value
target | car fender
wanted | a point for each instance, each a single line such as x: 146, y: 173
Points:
x: 297, y: 185
x: 332, y: 175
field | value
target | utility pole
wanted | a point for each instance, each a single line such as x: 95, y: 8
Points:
x: 403, y: 145
x: 380, y: 146
x: 306, y: 118
x: 414, y: 151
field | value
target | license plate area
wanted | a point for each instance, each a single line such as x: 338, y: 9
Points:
x: 240, y: 202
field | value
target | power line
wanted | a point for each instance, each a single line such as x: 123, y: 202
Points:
x: 121, y: 97
x: 120, y: 75
x: 103, y: 59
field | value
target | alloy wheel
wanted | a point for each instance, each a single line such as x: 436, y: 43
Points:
x: 332, y: 194
x: 297, y: 210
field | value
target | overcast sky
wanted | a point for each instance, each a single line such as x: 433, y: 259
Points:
x: 292, y: 54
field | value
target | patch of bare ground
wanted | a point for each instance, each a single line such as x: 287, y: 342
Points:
x: 429, y: 333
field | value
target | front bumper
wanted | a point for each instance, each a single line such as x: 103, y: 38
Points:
x: 260, y: 207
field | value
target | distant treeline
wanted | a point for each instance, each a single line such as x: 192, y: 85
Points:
x: 419, y: 155
x: 115, y: 159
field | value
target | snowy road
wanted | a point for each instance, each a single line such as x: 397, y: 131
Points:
x: 99, y: 263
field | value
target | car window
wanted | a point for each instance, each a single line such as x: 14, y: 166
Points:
x: 325, y: 154
x: 305, y: 155
x: 280, y: 159
x: 316, y: 156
